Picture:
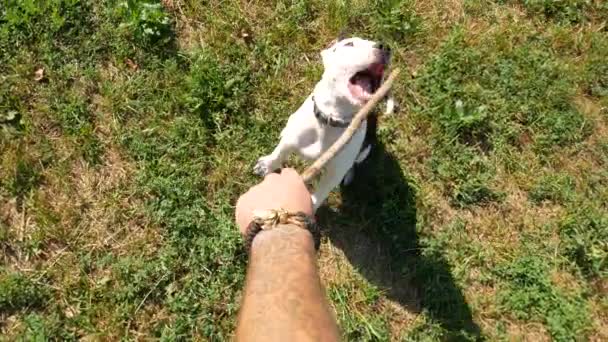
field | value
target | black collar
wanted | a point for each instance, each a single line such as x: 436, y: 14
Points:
x: 327, y: 119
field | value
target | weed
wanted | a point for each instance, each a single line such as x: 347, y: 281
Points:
x: 41, y: 328
x: 479, y: 102
x: 18, y: 291
x: 556, y: 188
x: 565, y: 11
x: 26, y: 177
x: 354, y: 325
x: 147, y: 22
x: 597, y: 68
x: 427, y: 330
x: 217, y: 92
x: 530, y: 295
x: 73, y: 113
x: 10, y: 122
x: 394, y: 20
x: 77, y: 120
x: 28, y: 21
x: 584, y: 233
x: 483, y: 101
x: 466, y: 173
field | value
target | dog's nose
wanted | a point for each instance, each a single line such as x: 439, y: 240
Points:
x: 382, y: 46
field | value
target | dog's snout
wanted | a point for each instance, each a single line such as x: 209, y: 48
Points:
x: 382, y: 46
x: 385, y: 52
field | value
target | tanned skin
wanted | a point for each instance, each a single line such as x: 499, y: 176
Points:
x: 283, y: 299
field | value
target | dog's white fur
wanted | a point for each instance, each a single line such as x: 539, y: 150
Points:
x: 309, y: 138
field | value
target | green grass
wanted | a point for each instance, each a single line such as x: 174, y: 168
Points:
x: 583, y: 232
x: 481, y: 215
x: 555, y: 188
x: 567, y: 11
x: 20, y: 292
x: 529, y: 295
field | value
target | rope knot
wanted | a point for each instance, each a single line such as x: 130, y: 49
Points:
x: 269, y: 219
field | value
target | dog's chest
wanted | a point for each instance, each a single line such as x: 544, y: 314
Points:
x: 328, y: 135
x: 313, y: 136
x: 325, y: 137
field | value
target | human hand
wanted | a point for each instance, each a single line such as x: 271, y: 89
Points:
x: 277, y: 191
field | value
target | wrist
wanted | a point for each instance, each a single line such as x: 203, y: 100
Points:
x: 282, y: 220
x: 298, y: 237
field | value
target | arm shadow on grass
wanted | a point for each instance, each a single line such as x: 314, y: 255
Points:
x: 376, y: 229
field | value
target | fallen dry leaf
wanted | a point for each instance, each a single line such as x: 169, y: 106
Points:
x: 246, y: 36
x: 132, y: 65
x: 70, y: 312
x: 168, y: 4
x: 39, y: 75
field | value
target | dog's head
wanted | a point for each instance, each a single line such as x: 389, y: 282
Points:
x: 355, y: 68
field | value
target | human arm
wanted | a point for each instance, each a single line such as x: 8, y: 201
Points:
x: 283, y: 298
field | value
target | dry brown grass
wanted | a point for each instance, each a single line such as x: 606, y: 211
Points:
x: 520, y: 331
x: 442, y: 15
x: 336, y: 269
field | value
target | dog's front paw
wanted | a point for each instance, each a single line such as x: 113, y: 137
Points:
x: 262, y: 167
x: 391, y: 106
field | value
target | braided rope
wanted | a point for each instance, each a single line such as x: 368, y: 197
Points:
x: 271, y: 219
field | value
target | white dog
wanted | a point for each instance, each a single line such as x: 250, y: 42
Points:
x: 353, y: 71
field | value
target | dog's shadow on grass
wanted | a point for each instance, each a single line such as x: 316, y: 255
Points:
x: 376, y: 229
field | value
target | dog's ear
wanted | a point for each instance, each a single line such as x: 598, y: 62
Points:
x: 326, y: 56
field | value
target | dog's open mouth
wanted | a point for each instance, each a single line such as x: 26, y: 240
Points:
x: 365, y: 83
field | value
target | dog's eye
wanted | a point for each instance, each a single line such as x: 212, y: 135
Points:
x: 351, y: 44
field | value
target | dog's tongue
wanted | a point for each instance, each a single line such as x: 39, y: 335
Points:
x: 361, y: 86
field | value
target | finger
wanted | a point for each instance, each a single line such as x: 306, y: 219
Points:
x: 271, y: 176
x: 241, y: 213
x: 289, y: 172
x: 292, y: 175
x: 308, y: 206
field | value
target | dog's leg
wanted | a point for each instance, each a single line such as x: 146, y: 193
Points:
x: 350, y: 174
x: 330, y: 179
x: 390, y: 105
x: 335, y: 171
x: 273, y: 161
